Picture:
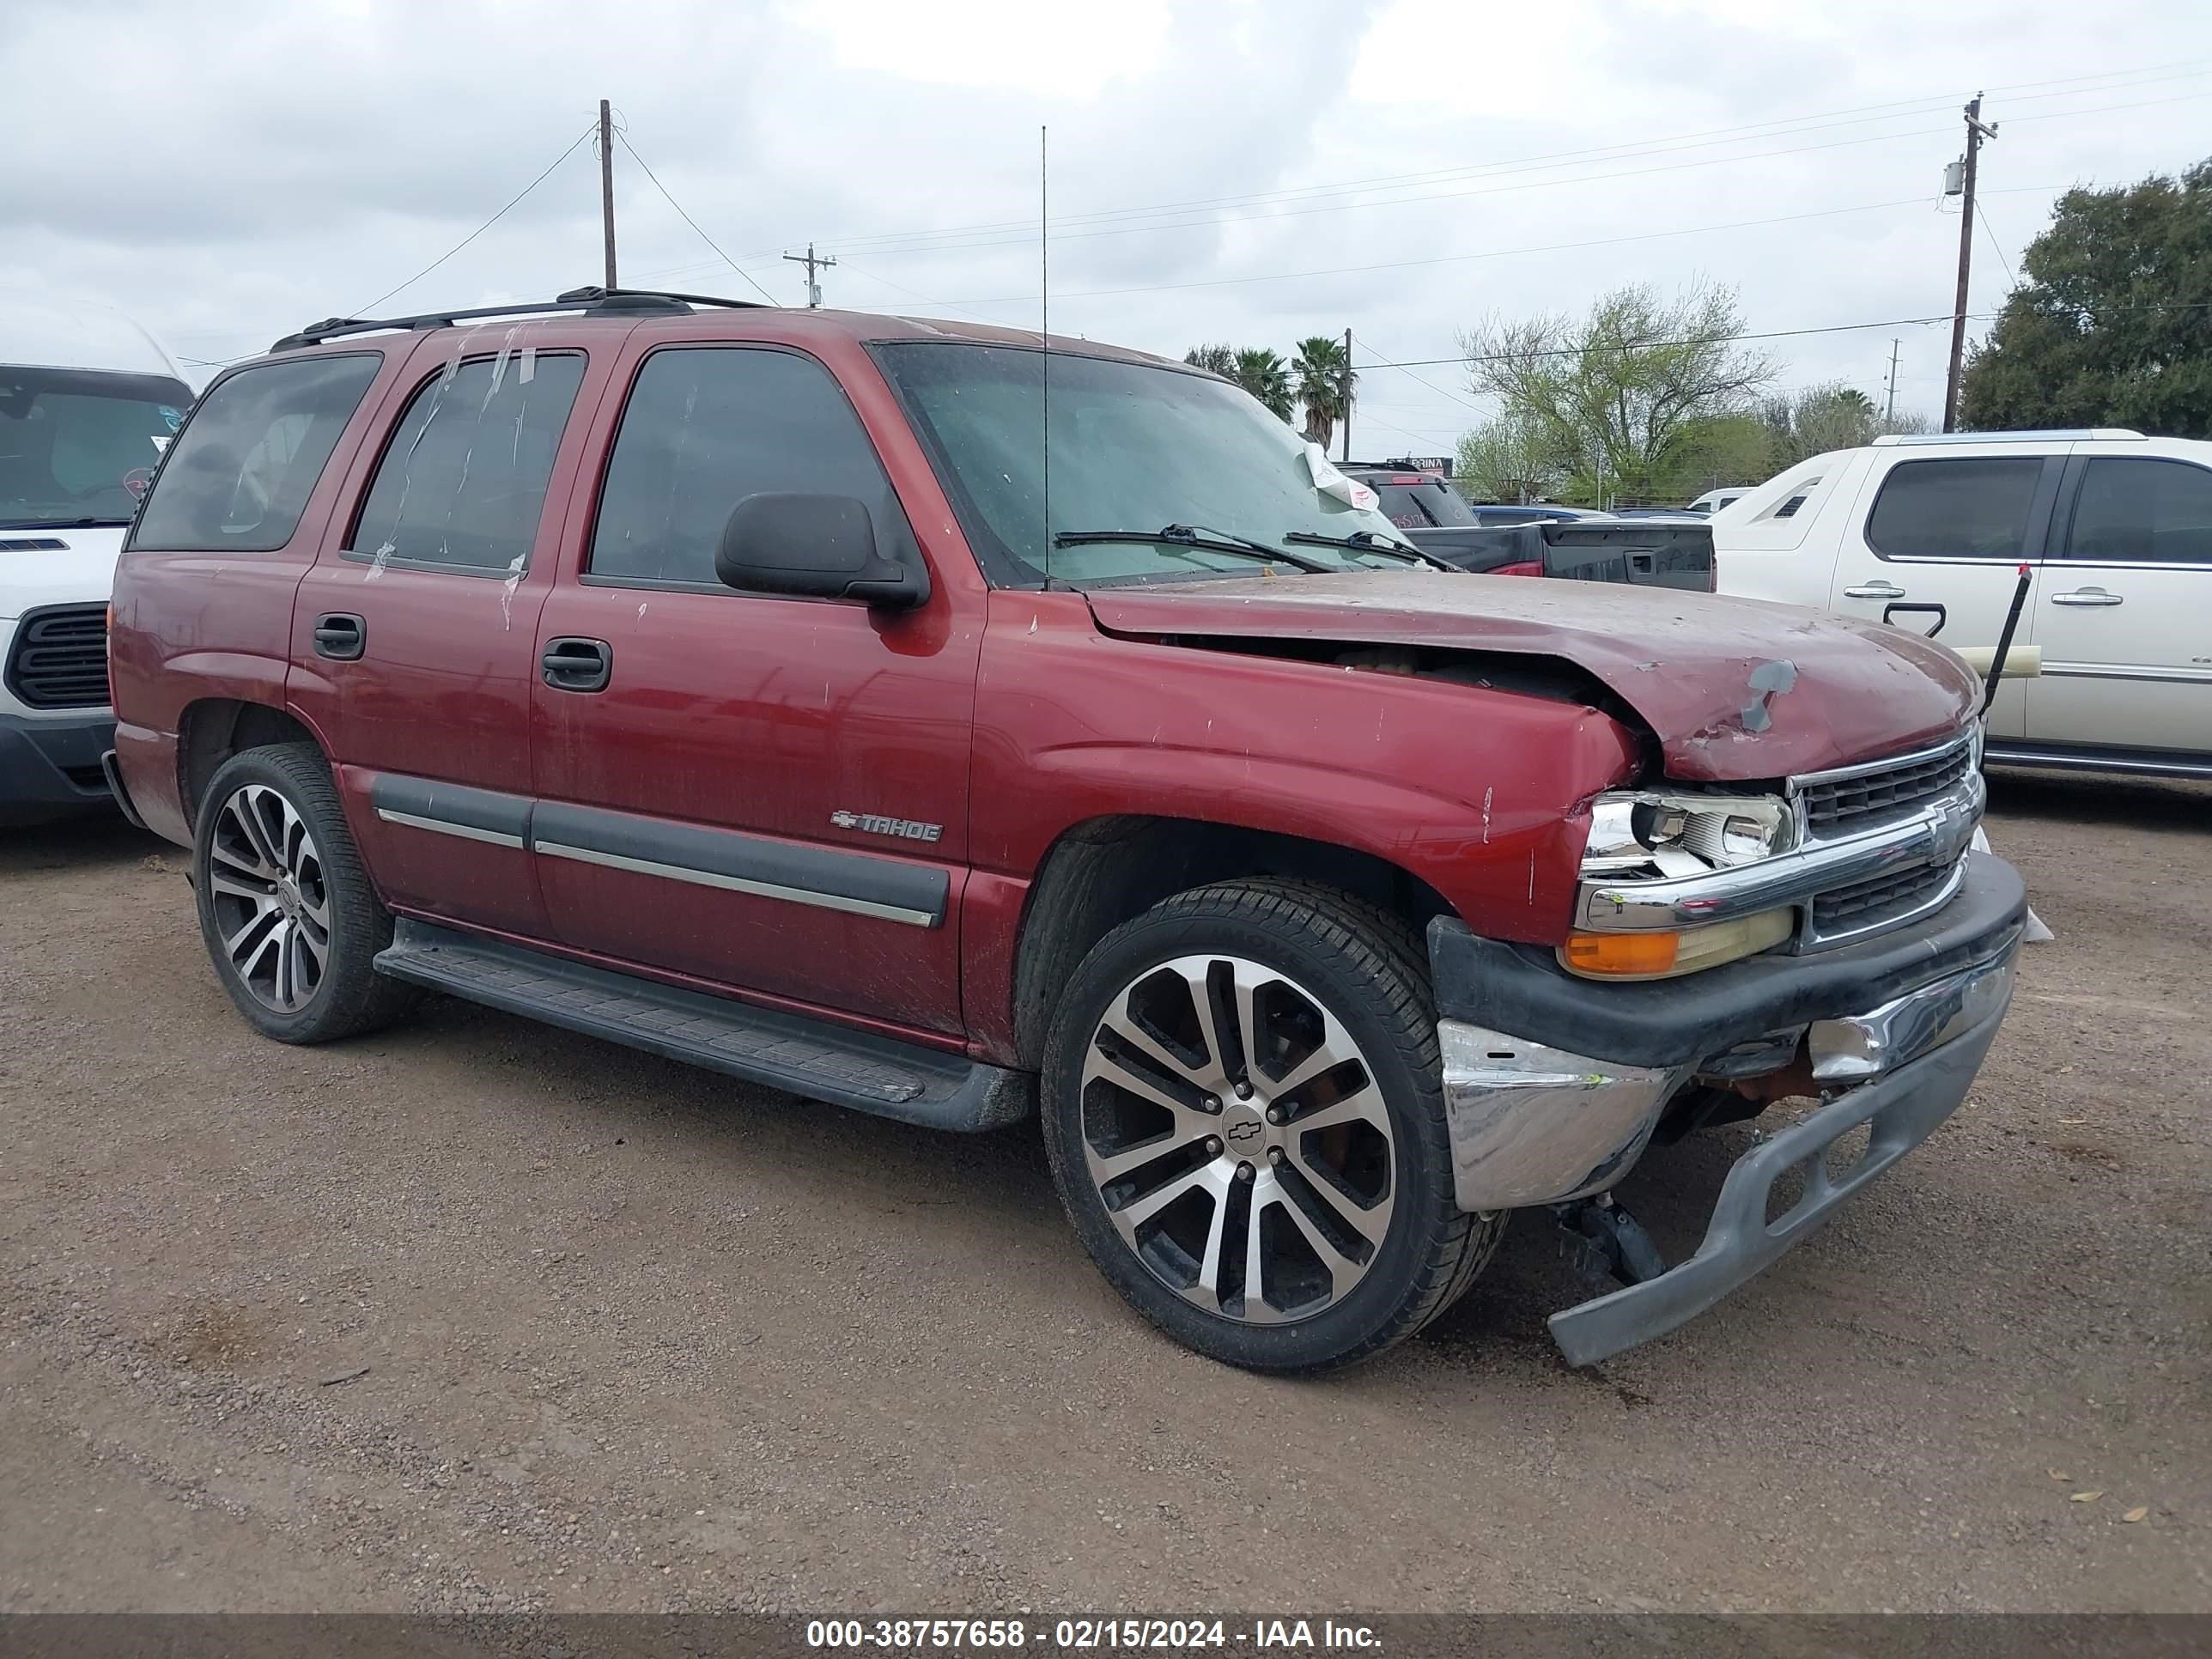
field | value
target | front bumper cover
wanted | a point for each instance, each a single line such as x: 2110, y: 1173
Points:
x: 1903, y: 1109
x: 50, y: 767
x: 1534, y: 1117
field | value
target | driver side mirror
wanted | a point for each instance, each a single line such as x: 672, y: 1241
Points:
x: 818, y: 547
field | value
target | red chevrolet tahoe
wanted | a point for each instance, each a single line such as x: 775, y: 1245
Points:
x: 953, y: 725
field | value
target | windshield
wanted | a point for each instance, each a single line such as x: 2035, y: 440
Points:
x: 1135, y: 447
x: 78, y: 445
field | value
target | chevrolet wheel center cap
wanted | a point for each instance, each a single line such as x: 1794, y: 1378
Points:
x: 1243, y: 1133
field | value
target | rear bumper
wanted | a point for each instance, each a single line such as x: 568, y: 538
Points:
x: 51, y: 769
x: 1553, y: 1086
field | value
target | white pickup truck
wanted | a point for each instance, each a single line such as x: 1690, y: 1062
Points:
x: 2115, y: 532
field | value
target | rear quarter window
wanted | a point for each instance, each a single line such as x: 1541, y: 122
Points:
x: 238, y: 477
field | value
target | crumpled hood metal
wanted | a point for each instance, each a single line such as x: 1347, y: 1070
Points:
x: 1733, y: 689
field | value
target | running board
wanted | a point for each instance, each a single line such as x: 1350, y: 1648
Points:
x: 778, y: 1050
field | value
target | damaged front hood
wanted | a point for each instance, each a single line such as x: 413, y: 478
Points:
x: 1733, y: 689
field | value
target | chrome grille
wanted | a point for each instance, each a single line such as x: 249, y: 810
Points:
x: 1867, y: 903
x: 59, y: 658
x: 1836, y: 805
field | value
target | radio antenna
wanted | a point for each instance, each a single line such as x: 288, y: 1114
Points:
x: 1044, y: 336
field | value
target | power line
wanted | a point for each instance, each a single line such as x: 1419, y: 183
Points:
x: 915, y: 293
x: 1417, y: 379
x: 958, y: 246
x: 1782, y: 127
x: 1461, y: 258
x: 480, y: 228
x: 1990, y: 231
x: 1499, y: 189
x: 688, y: 220
x: 1764, y: 334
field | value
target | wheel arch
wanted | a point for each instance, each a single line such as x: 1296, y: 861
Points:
x: 210, y: 730
x: 1099, y: 873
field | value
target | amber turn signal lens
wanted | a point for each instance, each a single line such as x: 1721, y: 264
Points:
x: 1623, y: 955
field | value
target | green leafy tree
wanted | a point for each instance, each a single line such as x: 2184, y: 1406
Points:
x: 1512, y: 458
x: 2111, y: 324
x: 1214, y: 358
x: 1617, y: 389
x: 1264, y: 374
x: 1715, y: 450
x: 1322, y: 377
x: 1813, y: 422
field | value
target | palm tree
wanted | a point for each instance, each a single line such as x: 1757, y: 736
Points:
x: 1214, y: 358
x: 1266, y: 377
x: 1324, y: 374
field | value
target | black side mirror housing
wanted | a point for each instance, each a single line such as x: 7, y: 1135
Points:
x: 809, y: 546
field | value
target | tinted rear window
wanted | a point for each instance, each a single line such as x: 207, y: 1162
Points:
x: 1417, y: 507
x: 1968, y: 508
x: 240, y: 475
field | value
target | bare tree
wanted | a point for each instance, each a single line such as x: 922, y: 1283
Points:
x: 1614, y: 389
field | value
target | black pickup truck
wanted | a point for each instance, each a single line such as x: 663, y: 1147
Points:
x: 1540, y: 540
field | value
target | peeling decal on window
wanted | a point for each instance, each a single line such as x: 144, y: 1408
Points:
x: 1332, y: 484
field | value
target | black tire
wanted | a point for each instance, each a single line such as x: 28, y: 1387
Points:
x: 349, y: 996
x: 1367, y: 969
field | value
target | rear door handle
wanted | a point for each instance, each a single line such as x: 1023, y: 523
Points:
x: 340, y: 637
x: 577, y: 665
x: 1878, y: 590
x: 2084, y: 596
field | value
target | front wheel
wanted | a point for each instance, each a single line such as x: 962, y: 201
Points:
x: 1243, y: 1116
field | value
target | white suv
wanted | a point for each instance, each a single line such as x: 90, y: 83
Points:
x: 87, y: 399
x: 2116, y: 532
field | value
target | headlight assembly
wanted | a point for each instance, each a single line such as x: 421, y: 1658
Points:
x: 1643, y: 833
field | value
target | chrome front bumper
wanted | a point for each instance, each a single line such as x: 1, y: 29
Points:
x: 1533, y: 1125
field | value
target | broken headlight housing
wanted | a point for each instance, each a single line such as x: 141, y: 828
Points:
x: 1652, y: 835
x: 1636, y: 833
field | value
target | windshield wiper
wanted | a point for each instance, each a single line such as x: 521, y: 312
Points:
x: 1197, y: 536
x: 1367, y: 541
x: 61, y: 524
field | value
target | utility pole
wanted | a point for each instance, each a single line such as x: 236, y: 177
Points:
x: 1889, y: 415
x: 607, y: 185
x: 810, y: 259
x: 1347, y: 395
x: 1975, y: 133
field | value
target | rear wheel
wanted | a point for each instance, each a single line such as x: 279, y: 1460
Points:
x: 286, y: 909
x: 1243, y: 1118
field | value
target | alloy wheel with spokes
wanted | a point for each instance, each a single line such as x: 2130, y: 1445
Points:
x: 270, y: 897
x: 1238, y: 1139
x: 1243, y: 1112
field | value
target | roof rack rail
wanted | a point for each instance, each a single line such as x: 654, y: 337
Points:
x: 2032, y: 436
x: 619, y: 301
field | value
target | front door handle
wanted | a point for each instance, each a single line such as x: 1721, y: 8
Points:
x: 340, y: 637
x: 1875, y: 590
x: 2084, y: 596
x: 577, y: 665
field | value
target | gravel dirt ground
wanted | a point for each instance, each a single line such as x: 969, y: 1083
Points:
x: 637, y: 1338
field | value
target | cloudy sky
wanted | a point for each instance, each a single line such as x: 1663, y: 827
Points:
x: 1247, y: 171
